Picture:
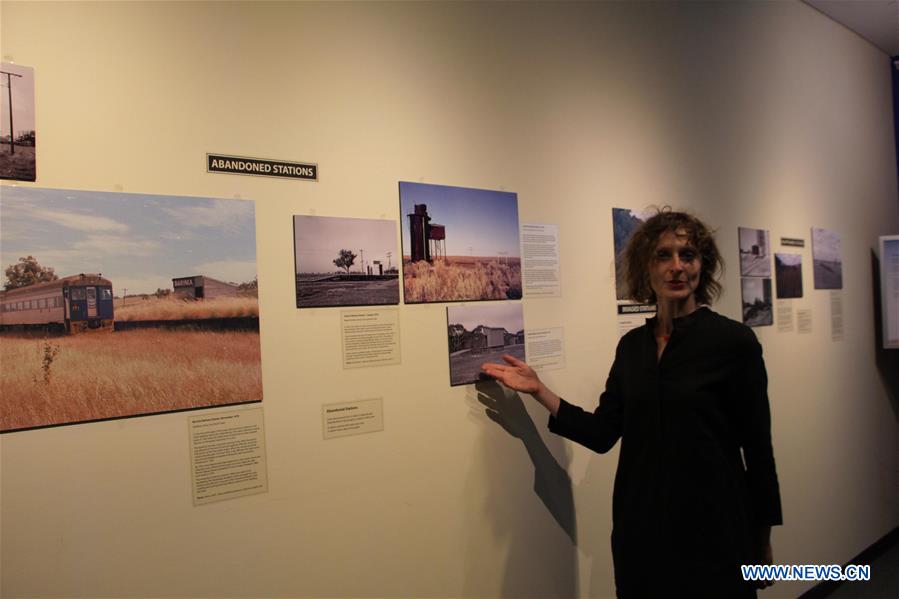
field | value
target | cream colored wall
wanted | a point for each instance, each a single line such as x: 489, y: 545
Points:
x: 766, y: 115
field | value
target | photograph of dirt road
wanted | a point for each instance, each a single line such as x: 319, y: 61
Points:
x: 827, y: 260
x: 482, y: 333
x: 17, y: 146
x: 755, y: 253
x: 459, y: 244
x: 788, y: 275
x: 345, y: 261
x: 120, y: 305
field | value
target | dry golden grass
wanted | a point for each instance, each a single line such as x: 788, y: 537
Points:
x: 170, y: 308
x: 462, y: 278
x: 105, y: 375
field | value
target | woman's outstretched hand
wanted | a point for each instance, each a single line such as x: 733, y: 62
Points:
x: 517, y: 375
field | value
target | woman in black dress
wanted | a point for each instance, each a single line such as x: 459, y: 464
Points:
x: 696, y: 489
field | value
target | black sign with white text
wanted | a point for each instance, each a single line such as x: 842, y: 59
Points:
x: 261, y: 167
x: 792, y: 241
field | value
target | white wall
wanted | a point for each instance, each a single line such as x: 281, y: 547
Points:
x: 766, y: 115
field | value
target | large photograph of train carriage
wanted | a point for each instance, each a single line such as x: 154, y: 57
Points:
x: 119, y: 305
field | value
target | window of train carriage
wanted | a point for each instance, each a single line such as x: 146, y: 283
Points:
x: 105, y: 293
x: 42, y: 303
x: 77, y: 293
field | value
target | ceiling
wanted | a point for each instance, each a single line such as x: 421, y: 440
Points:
x: 875, y: 20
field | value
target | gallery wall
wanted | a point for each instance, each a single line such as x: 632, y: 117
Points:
x: 764, y: 115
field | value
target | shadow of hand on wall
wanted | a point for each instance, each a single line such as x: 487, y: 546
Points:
x: 551, y: 481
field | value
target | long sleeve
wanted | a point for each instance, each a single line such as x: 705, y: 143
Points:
x: 755, y: 438
x: 598, y: 430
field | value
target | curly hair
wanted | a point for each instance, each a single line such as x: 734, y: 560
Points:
x: 637, y: 256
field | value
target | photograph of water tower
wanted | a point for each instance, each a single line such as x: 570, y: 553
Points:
x: 459, y: 244
x: 118, y: 305
x: 17, y: 136
x: 345, y: 262
x: 755, y: 255
x: 482, y: 333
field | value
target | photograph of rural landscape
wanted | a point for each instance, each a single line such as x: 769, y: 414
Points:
x: 482, y: 333
x: 119, y: 305
x: 345, y: 261
x: 459, y: 244
x: 827, y: 260
x: 757, y: 304
x: 755, y: 255
x: 624, y: 222
x: 788, y: 275
x: 17, y: 131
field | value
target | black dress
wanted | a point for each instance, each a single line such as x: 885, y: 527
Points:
x: 686, y: 505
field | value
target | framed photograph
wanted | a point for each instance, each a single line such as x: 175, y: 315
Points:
x: 624, y: 223
x: 119, y: 305
x: 755, y: 253
x: 788, y: 275
x: 345, y: 262
x: 482, y: 333
x: 459, y: 244
x: 827, y: 260
x: 757, y: 304
x: 889, y: 286
x: 17, y: 132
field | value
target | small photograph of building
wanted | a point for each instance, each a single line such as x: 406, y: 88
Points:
x: 201, y: 287
x: 482, y: 333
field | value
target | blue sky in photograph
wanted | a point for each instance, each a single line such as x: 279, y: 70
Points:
x: 507, y: 316
x: 139, y: 242
x: 479, y: 222
x: 319, y: 239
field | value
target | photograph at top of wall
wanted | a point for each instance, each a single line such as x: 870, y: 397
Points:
x: 17, y: 150
x: 827, y: 259
x: 755, y: 253
x: 459, y: 244
x: 624, y: 222
x: 345, y: 261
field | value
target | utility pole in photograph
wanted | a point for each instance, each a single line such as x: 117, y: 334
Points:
x: 12, y: 137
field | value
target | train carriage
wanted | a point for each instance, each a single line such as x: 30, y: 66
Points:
x: 77, y: 303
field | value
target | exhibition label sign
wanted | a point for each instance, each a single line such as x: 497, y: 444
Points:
x: 261, y: 167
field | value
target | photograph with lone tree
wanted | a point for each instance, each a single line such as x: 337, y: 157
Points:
x: 17, y: 133
x: 459, y: 244
x: 345, y: 262
x: 96, y: 319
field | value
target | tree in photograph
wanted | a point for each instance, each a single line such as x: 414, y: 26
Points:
x: 27, y: 271
x: 345, y: 260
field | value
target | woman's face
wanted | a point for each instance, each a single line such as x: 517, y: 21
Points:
x: 674, y: 267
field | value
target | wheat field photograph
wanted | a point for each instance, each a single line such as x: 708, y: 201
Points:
x: 459, y: 244
x: 120, y: 305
